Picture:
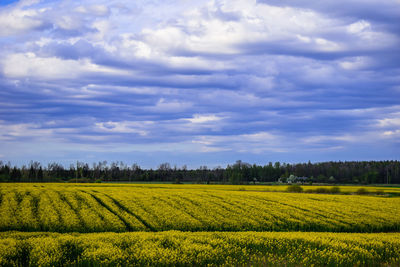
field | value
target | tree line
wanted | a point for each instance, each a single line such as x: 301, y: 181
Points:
x: 355, y: 172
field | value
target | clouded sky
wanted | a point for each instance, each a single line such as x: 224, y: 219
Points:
x: 199, y: 82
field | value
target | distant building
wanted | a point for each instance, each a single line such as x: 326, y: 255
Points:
x: 294, y: 179
x: 301, y: 179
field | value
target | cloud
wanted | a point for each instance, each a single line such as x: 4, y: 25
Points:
x: 19, y: 21
x: 389, y: 122
x: 11, y: 132
x: 251, y: 143
x: 30, y: 65
x: 380, y: 11
x: 204, y: 118
x: 123, y: 127
x: 167, y: 106
x: 96, y: 10
x: 208, y: 80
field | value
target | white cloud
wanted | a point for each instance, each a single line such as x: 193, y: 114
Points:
x: 205, y: 30
x: 327, y: 45
x: 355, y: 63
x: 167, y: 106
x: 259, y: 142
x: 124, y: 127
x: 18, y: 21
x: 130, y: 48
x: 359, y: 26
x: 318, y: 139
x: 387, y: 122
x: 97, y: 10
x: 198, y: 118
x: 12, y: 131
x: 392, y: 133
x: 69, y: 22
x: 30, y: 65
x: 101, y: 89
x: 103, y: 28
x: 236, y: 74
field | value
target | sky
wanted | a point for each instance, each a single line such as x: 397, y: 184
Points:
x: 199, y: 82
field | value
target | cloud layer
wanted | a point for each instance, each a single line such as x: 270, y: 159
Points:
x: 203, y: 82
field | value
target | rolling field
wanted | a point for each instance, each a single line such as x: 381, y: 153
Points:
x: 174, y: 248
x: 87, y: 208
x: 152, y: 224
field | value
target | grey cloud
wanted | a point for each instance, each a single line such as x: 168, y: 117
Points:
x: 281, y: 99
x: 386, y: 11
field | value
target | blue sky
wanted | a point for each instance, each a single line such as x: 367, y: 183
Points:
x: 199, y: 82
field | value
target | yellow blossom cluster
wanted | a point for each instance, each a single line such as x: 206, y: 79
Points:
x: 176, y: 248
x: 119, y: 208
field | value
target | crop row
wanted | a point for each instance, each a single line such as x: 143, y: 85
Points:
x: 346, y: 189
x: 176, y: 248
x: 59, y: 208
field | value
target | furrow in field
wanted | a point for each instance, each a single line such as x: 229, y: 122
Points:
x: 101, y: 208
x: 8, y: 212
x: 109, y: 221
x: 187, y: 219
x: 139, y: 218
x: 342, y: 208
x: 290, y: 217
x: 244, y: 219
x: 252, y: 208
x: 28, y: 211
x: 55, y: 206
x: 310, y: 215
x: 200, y: 203
x: 49, y: 218
x: 245, y: 215
x: 71, y: 220
x: 72, y: 211
x: 91, y: 218
x: 139, y: 206
x: 114, y: 212
x: 344, y: 215
x: 200, y: 210
x: 309, y: 209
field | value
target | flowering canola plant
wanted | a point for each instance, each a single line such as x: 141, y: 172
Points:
x: 200, y: 248
x: 194, y: 225
x: 98, y: 208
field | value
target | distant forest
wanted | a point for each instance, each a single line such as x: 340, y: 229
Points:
x: 355, y: 172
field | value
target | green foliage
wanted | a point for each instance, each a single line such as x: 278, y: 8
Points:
x: 21, y: 253
x: 321, y: 178
x: 80, y: 180
x: 295, y: 188
x: 71, y: 250
x: 365, y: 172
x: 379, y: 192
x: 236, y: 178
x: 321, y: 190
x: 362, y: 191
x: 334, y: 190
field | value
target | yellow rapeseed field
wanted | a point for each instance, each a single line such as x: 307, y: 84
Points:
x: 120, y: 208
x: 176, y: 248
x: 196, y: 225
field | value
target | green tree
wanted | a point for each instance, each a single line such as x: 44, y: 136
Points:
x: 32, y: 174
x: 40, y: 174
